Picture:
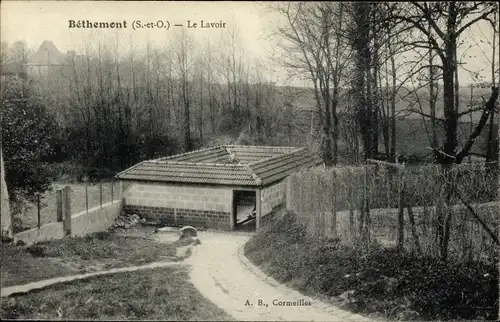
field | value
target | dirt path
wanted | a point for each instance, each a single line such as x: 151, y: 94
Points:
x: 223, y: 275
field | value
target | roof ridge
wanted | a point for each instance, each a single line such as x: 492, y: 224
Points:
x: 130, y: 168
x: 229, y: 165
x: 191, y: 152
x: 258, y: 146
x: 257, y: 179
x: 297, y: 150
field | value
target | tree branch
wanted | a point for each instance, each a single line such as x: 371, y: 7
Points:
x: 490, y: 232
x: 441, y: 152
x: 426, y: 12
x: 473, y: 21
x: 420, y: 27
x: 490, y: 106
x: 426, y: 115
x: 471, y: 110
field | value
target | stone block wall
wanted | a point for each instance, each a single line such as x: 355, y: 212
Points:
x: 276, y: 213
x: 50, y: 231
x: 181, y: 217
x: 175, y: 205
x: 82, y: 223
x: 97, y: 219
x: 272, y: 197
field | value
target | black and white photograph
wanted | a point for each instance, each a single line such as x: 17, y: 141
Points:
x: 250, y: 160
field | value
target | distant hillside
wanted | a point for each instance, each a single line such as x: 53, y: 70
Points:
x: 406, y: 100
x: 412, y: 137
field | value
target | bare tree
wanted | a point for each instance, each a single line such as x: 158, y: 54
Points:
x: 185, y: 57
x: 441, y: 24
x: 315, y: 45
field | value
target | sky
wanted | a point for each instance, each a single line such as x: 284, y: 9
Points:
x: 36, y: 21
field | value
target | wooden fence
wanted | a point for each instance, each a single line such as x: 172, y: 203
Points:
x: 330, y: 202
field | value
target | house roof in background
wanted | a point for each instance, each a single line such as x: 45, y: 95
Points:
x: 48, y: 54
x: 234, y: 165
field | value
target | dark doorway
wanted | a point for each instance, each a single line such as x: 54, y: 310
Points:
x: 244, y: 210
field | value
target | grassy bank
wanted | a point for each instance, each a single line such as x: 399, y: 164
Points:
x: 375, y: 280
x: 156, y: 294
x: 69, y: 256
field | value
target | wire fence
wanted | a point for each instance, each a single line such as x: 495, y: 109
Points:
x: 342, y: 201
x: 83, y: 198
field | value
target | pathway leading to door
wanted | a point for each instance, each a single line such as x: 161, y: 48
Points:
x: 223, y: 275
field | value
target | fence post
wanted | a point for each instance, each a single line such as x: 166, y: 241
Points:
x: 332, y: 187
x: 38, y: 206
x: 401, y: 220
x: 288, y: 197
x: 299, y: 182
x: 388, y: 186
x: 67, y: 211
x: 100, y: 193
x: 59, y: 205
x: 87, y: 199
x: 258, y: 207
x: 366, y: 205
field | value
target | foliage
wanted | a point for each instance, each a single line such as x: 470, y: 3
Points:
x: 380, y: 280
x: 155, y: 294
x: 28, y: 133
x: 70, y: 256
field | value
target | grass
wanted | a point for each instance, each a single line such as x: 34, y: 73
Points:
x: 69, y: 256
x: 384, y: 282
x: 48, y: 209
x: 156, y: 294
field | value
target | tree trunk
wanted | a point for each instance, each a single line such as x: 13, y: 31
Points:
x: 374, y: 96
x: 443, y: 210
x: 393, y: 105
x: 5, y: 215
x: 450, y: 112
x: 432, y: 103
x: 187, y: 129
x: 493, y: 139
x: 327, y: 125
x: 200, y: 119
x: 450, y: 141
x: 386, y: 111
x: 416, y: 240
x: 401, y: 213
x: 361, y: 45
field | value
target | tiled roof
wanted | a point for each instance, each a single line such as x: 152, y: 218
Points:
x: 220, y: 154
x: 279, y: 167
x: 211, y: 155
x: 249, y: 154
x: 257, y: 166
x: 190, y: 172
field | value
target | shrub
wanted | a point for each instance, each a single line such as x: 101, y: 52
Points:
x: 37, y: 250
x: 100, y: 235
x: 384, y: 280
